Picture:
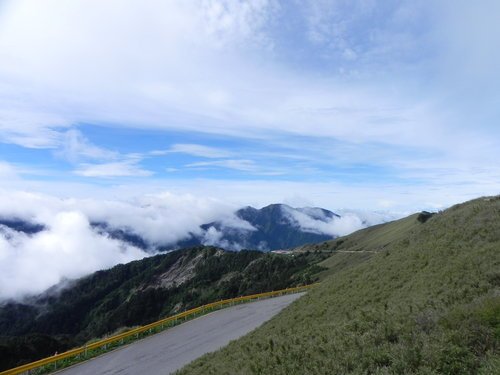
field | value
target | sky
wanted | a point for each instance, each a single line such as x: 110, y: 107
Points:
x: 201, y: 107
x: 365, y: 104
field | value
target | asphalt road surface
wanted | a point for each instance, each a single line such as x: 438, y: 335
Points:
x: 170, y: 350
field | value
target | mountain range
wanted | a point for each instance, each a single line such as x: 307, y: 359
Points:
x: 274, y: 227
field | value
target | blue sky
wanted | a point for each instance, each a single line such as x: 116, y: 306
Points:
x: 382, y: 105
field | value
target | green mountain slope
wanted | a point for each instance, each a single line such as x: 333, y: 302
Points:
x: 426, y: 301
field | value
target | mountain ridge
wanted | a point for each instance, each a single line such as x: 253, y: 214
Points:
x: 275, y: 227
x: 272, y: 227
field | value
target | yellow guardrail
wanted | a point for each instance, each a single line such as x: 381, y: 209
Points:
x: 159, y: 323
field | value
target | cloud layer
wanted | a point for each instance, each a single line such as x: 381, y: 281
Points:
x: 348, y: 222
x: 69, y: 247
x: 193, y: 65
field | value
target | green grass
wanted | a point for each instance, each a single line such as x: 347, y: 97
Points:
x: 372, y: 239
x: 427, y: 302
x: 340, y: 261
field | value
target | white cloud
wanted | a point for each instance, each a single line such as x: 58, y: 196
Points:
x: 234, y: 222
x: 238, y: 164
x: 12, y: 173
x: 381, y: 32
x: 217, y: 67
x: 213, y: 237
x: 195, y: 150
x: 160, y: 217
x: 68, y: 249
x: 24, y: 125
x: 348, y: 222
x: 428, y: 188
x: 244, y: 165
x: 125, y: 168
x: 75, y: 147
x: 213, y: 67
x: 468, y: 36
x: 8, y: 171
x: 180, y: 213
x: 191, y: 66
x: 89, y: 61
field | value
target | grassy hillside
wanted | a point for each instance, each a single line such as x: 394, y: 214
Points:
x: 425, y: 301
x: 141, y: 292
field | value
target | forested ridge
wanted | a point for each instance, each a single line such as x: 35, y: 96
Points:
x: 141, y: 292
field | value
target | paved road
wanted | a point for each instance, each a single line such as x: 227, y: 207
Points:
x: 168, y: 351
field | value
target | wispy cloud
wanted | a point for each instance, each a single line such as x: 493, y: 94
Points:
x: 195, y: 150
x: 8, y: 171
x: 212, y: 87
x: 75, y: 147
x: 124, y: 168
x: 243, y: 165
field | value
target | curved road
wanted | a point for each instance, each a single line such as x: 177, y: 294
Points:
x: 170, y: 350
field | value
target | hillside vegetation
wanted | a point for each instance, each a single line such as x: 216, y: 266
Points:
x: 141, y: 292
x: 417, y: 296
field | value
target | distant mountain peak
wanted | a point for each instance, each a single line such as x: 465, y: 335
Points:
x: 318, y: 213
x: 273, y: 227
x: 20, y: 225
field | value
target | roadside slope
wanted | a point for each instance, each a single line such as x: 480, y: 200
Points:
x: 427, y: 303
